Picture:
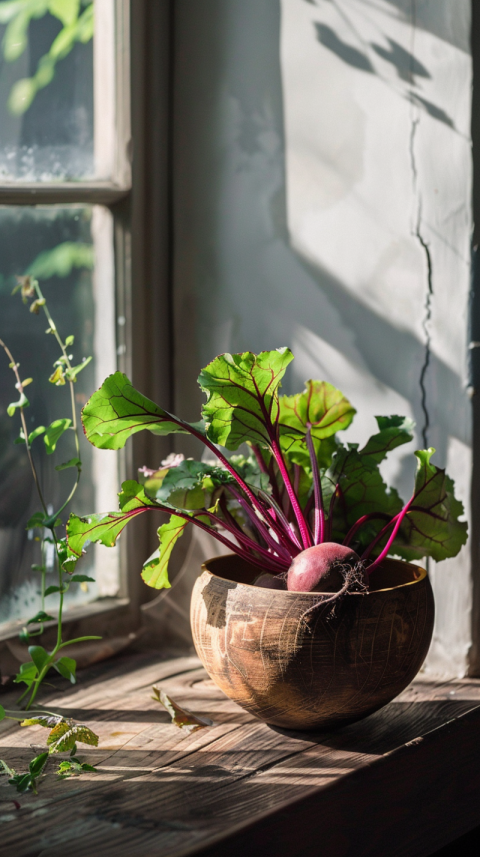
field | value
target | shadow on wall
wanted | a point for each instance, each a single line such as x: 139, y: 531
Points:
x: 243, y: 284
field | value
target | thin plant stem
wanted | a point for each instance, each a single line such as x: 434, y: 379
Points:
x: 319, y: 523
x: 302, y: 524
x: 19, y: 386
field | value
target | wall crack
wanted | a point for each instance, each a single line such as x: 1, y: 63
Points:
x: 418, y: 234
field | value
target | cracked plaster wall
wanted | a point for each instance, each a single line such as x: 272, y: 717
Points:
x: 322, y: 164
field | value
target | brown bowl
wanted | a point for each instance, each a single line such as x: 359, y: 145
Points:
x: 321, y: 670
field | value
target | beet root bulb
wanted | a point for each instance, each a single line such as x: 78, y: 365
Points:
x: 322, y: 568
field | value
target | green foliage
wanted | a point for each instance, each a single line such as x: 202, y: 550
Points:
x: 431, y: 525
x: 117, y: 411
x: 190, y: 485
x: 361, y: 491
x: 242, y: 391
x: 270, y: 501
x: 106, y: 528
x: 33, y: 673
x: 72, y: 767
x: 54, y: 433
x: 321, y: 408
x: 60, y: 262
x: 77, y: 26
x: 62, y: 738
x: 155, y: 570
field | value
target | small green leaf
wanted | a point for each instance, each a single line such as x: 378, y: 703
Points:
x: 37, y: 765
x: 67, y: 668
x: 20, y: 438
x: 71, y: 374
x: 64, y: 736
x: 69, y: 341
x: 46, y: 720
x: 27, y: 673
x: 82, y: 578
x: 2, y: 712
x: 35, y: 306
x: 6, y: 770
x: 51, y: 589
x: 22, y: 403
x: 39, y: 656
x: 57, y: 377
x: 36, y: 433
x: 54, y: 433
x: 41, y: 617
x: 37, y: 521
x: 22, y: 782
x: 74, y: 462
x: 71, y: 767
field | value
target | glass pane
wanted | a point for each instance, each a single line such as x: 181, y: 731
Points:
x: 57, y: 245
x: 47, y: 105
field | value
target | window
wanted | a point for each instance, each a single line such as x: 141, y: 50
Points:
x: 64, y: 170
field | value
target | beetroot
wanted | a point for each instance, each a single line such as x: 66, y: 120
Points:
x: 319, y: 569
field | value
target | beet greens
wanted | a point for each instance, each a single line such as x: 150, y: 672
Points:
x: 296, y: 487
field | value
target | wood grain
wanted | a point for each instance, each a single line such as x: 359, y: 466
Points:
x: 297, y: 664
x: 241, y: 784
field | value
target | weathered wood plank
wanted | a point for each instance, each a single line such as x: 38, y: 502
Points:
x: 225, y: 787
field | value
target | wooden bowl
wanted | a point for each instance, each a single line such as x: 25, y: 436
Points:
x: 323, y: 670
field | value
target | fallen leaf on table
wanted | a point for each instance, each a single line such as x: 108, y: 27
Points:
x: 181, y: 717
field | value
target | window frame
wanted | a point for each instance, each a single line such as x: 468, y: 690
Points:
x: 138, y: 197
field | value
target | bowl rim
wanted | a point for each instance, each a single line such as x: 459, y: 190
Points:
x: 422, y: 575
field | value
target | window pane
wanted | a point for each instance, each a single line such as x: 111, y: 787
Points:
x: 57, y: 245
x: 48, y: 112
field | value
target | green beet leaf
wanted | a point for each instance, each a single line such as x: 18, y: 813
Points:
x: 105, y: 528
x: 249, y: 469
x: 155, y: 570
x: 322, y: 408
x: 393, y: 432
x: 242, y: 392
x: 117, y: 411
x: 190, y: 485
x: 431, y: 527
x: 361, y: 491
x: 66, y: 557
x: 54, y: 433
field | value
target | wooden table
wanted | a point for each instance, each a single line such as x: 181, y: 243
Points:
x: 405, y: 781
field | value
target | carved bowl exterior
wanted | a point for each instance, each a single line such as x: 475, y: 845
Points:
x: 315, y: 671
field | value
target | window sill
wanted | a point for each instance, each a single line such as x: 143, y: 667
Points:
x: 405, y: 781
